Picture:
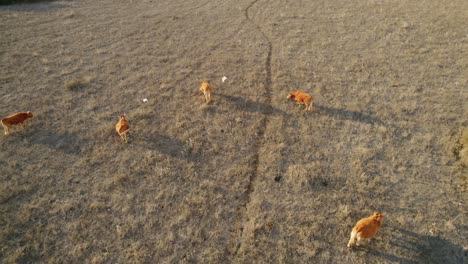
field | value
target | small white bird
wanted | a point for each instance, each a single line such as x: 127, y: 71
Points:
x: 224, y: 78
x: 145, y: 100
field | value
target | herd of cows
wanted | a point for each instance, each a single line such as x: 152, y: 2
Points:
x: 364, y: 229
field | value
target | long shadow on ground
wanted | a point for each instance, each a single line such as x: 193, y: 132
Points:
x: 252, y: 106
x: 68, y: 143
x: 349, y: 115
x: 259, y: 107
x: 428, y: 249
x: 172, y: 147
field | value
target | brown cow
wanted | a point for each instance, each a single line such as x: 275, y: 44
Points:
x: 206, y: 90
x: 302, y: 98
x: 16, y: 119
x: 122, y: 128
x: 366, y: 228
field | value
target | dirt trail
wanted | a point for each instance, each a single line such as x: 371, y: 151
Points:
x: 249, y: 178
x: 247, y: 226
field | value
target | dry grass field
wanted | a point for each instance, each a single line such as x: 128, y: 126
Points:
x: 250, y: 177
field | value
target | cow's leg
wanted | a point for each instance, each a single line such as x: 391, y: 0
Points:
x: 5, y: 127
x: 360, y: 240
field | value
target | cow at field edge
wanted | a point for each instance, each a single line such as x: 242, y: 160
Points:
x: 16, y: 119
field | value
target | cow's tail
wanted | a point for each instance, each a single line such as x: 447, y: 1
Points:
x: 352, y: 239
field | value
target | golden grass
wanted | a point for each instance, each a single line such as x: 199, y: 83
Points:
x: 247, y: 178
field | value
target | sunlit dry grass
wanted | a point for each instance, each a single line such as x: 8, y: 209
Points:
x: 250, y: 177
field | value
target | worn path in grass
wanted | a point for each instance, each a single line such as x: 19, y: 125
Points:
x: 249, y: 178
x: 247, y: 227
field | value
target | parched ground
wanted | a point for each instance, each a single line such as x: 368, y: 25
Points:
x: 249, y: 178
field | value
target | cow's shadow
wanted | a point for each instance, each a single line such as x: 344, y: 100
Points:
x: 348, y: 114
x: 416, y: 248
x: 171, y: 146
x: 264, y: 108
x: 252, y: 106
x: 67, y: 142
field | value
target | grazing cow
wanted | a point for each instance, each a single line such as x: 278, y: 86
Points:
x: 16, y: 119
x: 122, y: 128
x: 302, y: 98
x: 206, y: 90
x: 366, y: 228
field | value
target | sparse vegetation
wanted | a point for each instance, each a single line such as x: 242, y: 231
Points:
x: 461, y: 150
x: 250, y: 177
x: 78, y: 83
x: 74, y: 84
